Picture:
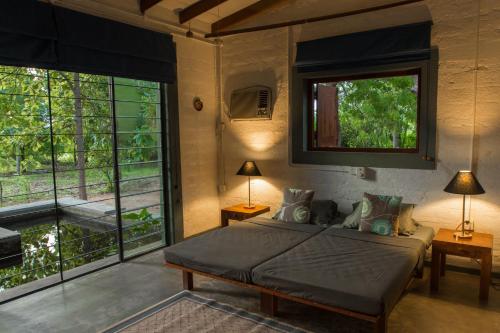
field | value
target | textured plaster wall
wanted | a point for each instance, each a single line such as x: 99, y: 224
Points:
x: 264, y: 58
x: 196, y: 77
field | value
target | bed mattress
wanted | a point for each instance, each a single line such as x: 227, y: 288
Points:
x: 232, y: 252
x: 425, y: 234
x: 345, y: 268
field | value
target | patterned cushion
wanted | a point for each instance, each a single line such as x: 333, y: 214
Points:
x: 323, y: 212
x: 296, y: 206
x: 380, y: 214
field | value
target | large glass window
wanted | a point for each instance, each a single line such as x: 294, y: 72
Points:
x: 376, y: 112
x: 81, y: 174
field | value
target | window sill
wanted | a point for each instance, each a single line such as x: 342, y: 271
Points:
x: 364, y: 159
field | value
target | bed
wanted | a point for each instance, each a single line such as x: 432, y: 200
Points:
x: 344, y: 268
x: 357, y: 274
x: 232, y: 252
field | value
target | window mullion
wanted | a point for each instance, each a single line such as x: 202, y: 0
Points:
x: 54, y: 181
x: 116, y: 170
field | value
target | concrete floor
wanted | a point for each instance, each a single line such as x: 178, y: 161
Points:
x: 93, y: 302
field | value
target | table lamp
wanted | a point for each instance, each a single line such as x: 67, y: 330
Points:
x: 249, y: 168
x: 464, y: 183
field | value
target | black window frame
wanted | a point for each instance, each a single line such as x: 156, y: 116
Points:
x: 423, y: 157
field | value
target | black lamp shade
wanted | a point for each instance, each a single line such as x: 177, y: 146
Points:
x: 249, y: 168
x: 465, y: 183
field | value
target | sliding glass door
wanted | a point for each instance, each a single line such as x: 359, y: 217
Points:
x: 140, y: 160
x: 81, y: 174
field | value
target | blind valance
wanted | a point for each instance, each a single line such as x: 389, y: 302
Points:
x: 376, y: 47
x: 28, y: 34
x: 41, y: 35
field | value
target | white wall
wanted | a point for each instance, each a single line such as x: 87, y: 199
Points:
x: 196, y: 77
x: 264, y: 58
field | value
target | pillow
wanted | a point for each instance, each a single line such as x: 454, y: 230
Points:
x: 296, y: 206
x: 380, y: 214
x: 323, y: 212
x: 352, y: 221
x: 407, y: 225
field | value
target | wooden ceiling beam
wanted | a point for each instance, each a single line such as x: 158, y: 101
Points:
x: 243, y: 14
x: 146, y: 4
x: 197, y: 8
x: 311, y: 19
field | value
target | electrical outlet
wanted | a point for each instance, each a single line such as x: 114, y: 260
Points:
x: 361, y: 172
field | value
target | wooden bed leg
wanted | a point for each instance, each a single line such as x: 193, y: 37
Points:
x: 381, y: 324
x: 269, y: 304
x: 187, y: 280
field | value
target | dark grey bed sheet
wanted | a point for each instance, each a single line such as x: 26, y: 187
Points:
x: 425, y: 234
x: 345, y: 268
x: 233, y: 251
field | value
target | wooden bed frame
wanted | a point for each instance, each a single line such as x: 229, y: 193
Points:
x: 269, y: 298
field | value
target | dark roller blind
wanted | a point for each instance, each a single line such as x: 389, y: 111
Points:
x: 92, y: 44
x: 28, y: 34
x: 38, y: 34
x: 376, y: 47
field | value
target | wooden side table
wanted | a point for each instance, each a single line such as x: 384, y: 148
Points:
x: 240, y: 213
x: 478, y: 247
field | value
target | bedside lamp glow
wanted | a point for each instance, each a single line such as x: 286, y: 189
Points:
x: 249, y: 169
x: 464, y: 183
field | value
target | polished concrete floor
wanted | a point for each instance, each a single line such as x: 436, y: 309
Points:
x: 93, y: 302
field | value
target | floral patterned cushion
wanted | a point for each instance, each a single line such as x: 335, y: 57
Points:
x: 380, y: 214
x: 296, y: 206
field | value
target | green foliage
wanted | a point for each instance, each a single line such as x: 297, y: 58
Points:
x: 378, y: 113
x: 142, y: 229
x: 146, y: 123
x: 23, y: 117
x: 40, y: 254
x: 25, y: 122
x: 143, y: 221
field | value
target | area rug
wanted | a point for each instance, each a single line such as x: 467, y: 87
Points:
x: 186, y: 312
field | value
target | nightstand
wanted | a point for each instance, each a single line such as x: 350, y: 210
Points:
x: 478, y: 247
x: 240, y: 213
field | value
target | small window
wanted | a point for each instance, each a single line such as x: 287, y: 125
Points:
x: 376, y: 112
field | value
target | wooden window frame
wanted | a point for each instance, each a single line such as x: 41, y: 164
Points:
x: 311, y: 133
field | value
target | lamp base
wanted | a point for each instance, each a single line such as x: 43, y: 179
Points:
x: 459, y: 235
x: 252, y: 206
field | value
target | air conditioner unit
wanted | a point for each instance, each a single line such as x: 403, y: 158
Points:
x: 252, y: 103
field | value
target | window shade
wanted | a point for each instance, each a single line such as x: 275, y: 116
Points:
x: 376, y: 47
x: 92, y: 44
x: 27, y: 34
x: 41, y: 35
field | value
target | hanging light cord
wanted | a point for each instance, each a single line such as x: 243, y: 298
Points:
x: 474, y: 105
x: 476, y: 69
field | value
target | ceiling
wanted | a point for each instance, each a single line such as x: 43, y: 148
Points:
x: 166, y: 12
x: 224, y: 9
